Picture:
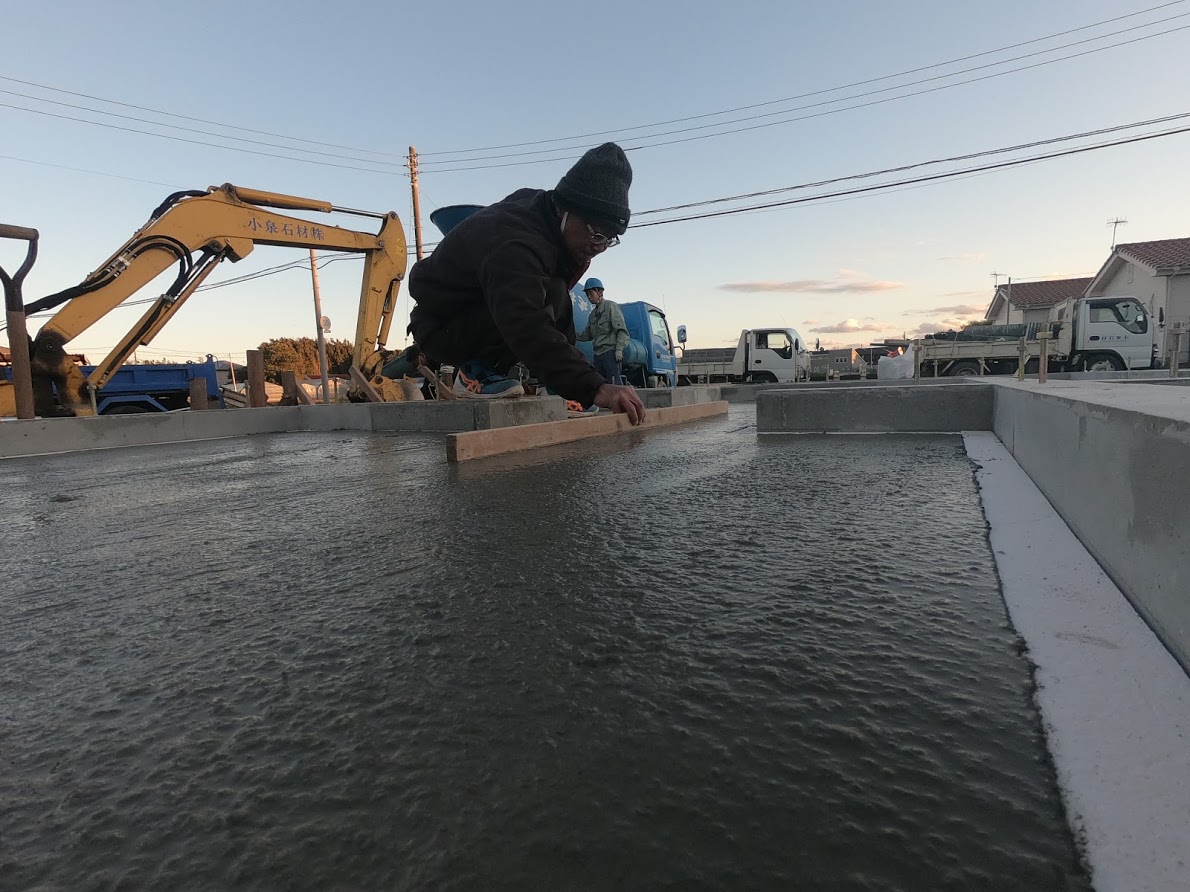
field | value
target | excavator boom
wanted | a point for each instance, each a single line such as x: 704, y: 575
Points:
x: 224, y: 223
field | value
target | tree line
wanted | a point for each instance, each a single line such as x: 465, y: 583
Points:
x: 300, y: 355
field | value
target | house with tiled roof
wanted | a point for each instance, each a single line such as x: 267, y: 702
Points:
x: 1158, y: 275
x: 1016, y: 302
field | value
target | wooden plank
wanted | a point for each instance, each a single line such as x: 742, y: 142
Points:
x: 498, y: 441
x: 441, y: 390
x: 256, y: 387
x: 365, y: 385
x: 198, y: 394
x: 294, y: 390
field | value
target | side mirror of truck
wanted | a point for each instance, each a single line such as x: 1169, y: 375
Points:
x: 797, y: 346
x: 1161, y: 315
x: 681, y: 334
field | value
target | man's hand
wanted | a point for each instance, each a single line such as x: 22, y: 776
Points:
x: 619, y: 356
x: 621, y: 398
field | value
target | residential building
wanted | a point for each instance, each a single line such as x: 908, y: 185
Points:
x: 1017, y: 302
x: 1158, y: 275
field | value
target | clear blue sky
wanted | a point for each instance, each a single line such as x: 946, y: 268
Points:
x: 447, y: 77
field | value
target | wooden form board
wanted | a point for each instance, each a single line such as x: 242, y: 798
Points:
x: 498, y: 441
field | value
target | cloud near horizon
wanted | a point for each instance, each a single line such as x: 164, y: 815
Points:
x: 967, y: 257
x: 847, y: 326
x: 941, y: 325
x: 847, y: 282
x: 958, y: 310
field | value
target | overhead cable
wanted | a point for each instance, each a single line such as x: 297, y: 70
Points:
x: 192, y: 118
x: 904, y: 167
x: 1016, y: 162
x: 602, y: 133
x: 820, y: 114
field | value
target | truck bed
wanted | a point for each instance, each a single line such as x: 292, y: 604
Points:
x: 715, y: 355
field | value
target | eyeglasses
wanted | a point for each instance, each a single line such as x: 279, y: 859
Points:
x: 601, y: 241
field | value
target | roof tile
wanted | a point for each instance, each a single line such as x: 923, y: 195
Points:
x: 1160, y: 254
x: 1042, y: 295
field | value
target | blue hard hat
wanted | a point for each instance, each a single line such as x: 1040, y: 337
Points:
x: 592, y: 284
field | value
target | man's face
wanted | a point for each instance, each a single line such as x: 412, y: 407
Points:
x: 584, y: 240
x: 595, y: 295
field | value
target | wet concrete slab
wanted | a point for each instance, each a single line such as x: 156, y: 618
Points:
x: 690, y: 658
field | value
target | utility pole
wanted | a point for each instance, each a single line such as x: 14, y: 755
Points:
x: 326, y: 384
x: 1115, y: 224
x: 416, y: 200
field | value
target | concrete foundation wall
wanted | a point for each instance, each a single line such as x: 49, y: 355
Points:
x: 50, y: 435
x: 1119, y: 475
x: 664, y: 398
x: 907, y: 408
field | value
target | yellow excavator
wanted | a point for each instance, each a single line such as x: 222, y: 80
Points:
x: 197, y: 230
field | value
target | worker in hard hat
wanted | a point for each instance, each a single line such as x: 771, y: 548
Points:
x: 496, y: 290
x: 606, y: 331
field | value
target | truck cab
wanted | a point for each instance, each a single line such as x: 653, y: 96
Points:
x: 776, y: 355
x: 1104, y: 333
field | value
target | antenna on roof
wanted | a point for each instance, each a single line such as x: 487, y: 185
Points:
x: 996, y: 279
x: 1115, y: 224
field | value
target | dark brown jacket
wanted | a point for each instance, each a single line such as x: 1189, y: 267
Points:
x: 509, y: 259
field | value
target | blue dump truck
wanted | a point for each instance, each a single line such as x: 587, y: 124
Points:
x: 153, y: 388
x: 649, y: 357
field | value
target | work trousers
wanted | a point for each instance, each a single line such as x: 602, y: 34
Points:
x: 473, y: 335
x: 605, y: 363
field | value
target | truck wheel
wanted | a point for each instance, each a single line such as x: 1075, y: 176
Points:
x: 963, y: 369
x: 1103, y: 362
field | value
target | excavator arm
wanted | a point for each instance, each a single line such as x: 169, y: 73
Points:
x: 224, y: 223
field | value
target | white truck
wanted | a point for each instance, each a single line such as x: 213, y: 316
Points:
x: 763, y: 355
x: 1085, y: 334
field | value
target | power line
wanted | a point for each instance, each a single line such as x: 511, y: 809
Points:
x: 833, y: 111
x: 256, y: 142
x: 904, y: 167
x: 197, y: 142
x: 193, y: 119
x: 1016, y: 162
x: 189, y: 117
x: 98, y: 173
x: 584, y: 136
x: 442, y: 165
x: 930, y: 80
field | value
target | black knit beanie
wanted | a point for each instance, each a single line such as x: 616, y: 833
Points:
x: 597, y: 187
